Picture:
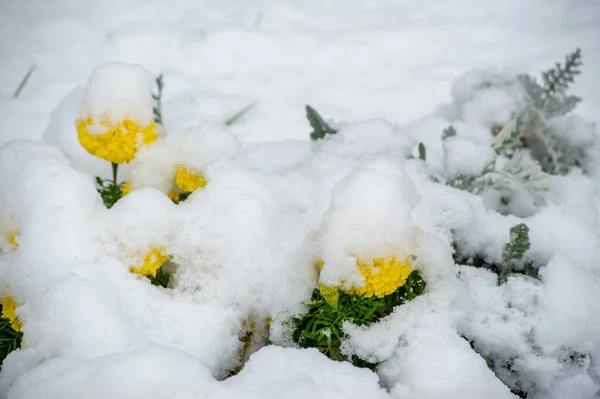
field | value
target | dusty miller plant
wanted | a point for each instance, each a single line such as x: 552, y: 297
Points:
x: 544, y: 101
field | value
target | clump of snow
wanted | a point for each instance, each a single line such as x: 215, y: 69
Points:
x: 61, y: 133
x: 161, y: 372
x: 573, y: 129
x: 193, y: 148
x: 363, y: 140
x: 274, y: 373
x: 369, y: 217
x: 463, y: 156
x: 485, y: 97
x: 117, y: 91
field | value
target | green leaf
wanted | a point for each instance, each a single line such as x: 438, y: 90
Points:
x: 161, y: 279
x: 559, y: 78
x: 320, y: 127
x: 509, y: 138
x: 517, y: 245
x: 523, y: 174
x: 321, y: 326
x: 448, y: 132
x: 422, y: 154
x: 238, y: 115
x: 158, y: 99
x: 10, y: 339
x: 24, y: 81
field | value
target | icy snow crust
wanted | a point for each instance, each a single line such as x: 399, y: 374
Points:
x: 246, y: 244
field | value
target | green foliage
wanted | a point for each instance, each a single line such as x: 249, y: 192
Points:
x: 517, y: 245
x: 238, y: 115
x: 519, y: 173
x: 422, y: 152
x: 558, y: 79
x: 322, y: 326
x: 24, y: 81
x: 524, y: 174
x: 9, y: 338
x: 448, y: 132
x: 320, y: 127
x: 512, y: 252
x: 110, y: 190
x: 157, y: 99
x: 508, y: 141
x: 545, y: 101
x: 161, y: 279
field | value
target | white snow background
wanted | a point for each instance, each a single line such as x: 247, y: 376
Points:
x: 393, y: 72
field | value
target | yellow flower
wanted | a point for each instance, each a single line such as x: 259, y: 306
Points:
x: 115, y: 142
x: 9, y: 307
x: 152, y: 262
x: 382, y: 276
x: 189, y: 180
x: 126, y: 188
x: 330, y: 294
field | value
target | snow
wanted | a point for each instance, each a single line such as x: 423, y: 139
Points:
x: 194, y: 148
x: 369, y: 217
x: 118, y: 91
x: 388, y: 75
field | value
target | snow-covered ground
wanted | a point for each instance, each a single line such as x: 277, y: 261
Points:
x: 350, y: 59
x: 392, y: 73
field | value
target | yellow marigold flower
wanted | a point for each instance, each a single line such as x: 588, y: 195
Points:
x: 126, y: 188
x: 330, y: 294
x: 9, y: 307
x: 382, y: 276
x: 152, y: 262
x: 115, y: 142
x: 189, y: 180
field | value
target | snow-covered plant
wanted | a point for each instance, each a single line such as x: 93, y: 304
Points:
x: 512, y: 253
x: 10, y: 327
x: 320, y: 127
x: 543, y: 102
x: 517, y: 245
x: 517, y: 173
x: 118, y: 119
x: 366, y: 267
x: 321, y: 326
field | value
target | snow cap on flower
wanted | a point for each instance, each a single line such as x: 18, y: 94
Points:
x: 117, y: 91
x: 116, y: 117
x: 368, y: 229
x: 181, y: 159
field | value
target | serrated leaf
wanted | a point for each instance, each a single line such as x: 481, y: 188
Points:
x: 517, y: 245
x: 525, y: 175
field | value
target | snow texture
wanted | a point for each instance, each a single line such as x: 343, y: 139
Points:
x: 390, y: 75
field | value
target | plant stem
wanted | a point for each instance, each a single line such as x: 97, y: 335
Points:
x: 115, y: 167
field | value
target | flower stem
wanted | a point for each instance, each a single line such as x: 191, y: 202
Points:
x: 115, y: 167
